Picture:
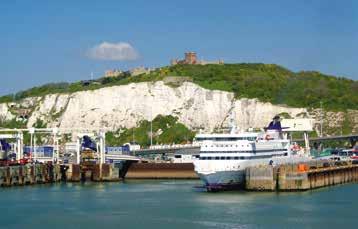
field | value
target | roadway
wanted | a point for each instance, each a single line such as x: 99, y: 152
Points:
x: 353, y: 138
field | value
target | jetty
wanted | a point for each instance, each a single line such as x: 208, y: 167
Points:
x: 86, y: 159
x: 30, y: 174
x: 300, y: 177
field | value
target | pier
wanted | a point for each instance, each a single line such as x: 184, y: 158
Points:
x: 300, y: 177
x: 86, y: 159
x: 31, y: 174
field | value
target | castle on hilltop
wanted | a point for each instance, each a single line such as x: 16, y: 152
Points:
x: 191, y: 58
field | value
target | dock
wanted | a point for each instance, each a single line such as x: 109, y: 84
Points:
x: 288, y: 177
x: 30, y: 174
x: 300, y: 177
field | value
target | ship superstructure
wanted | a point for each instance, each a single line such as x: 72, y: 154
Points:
x: 224, y: 157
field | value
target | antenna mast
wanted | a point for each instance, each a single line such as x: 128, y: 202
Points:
x: 321, y: 121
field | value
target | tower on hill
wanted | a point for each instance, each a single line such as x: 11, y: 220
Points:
x: 190, y: 58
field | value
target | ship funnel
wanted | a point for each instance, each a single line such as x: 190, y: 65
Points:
x: 275, y: 124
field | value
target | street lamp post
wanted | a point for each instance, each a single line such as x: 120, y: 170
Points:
x: 321, y: 124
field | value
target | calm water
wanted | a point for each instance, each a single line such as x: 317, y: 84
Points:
x: 173, y: 204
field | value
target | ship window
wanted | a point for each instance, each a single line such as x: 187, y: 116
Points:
x: 236, y: 158
x: 222, y: 158
x: 217, y: 158
x: 242, y: 158
x: 228, y: 158
x: 209, y: 158
x: 177, y: 156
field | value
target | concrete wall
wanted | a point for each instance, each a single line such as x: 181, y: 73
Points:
x: 293, y: 177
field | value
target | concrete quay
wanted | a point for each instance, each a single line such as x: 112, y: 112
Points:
x: 97, y: 173
x: 300, y: 177
x: 30, y: 174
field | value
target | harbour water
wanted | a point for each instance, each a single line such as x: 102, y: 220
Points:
x: 173, y: 204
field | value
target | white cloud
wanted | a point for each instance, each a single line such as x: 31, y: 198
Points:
x: 120, y: 51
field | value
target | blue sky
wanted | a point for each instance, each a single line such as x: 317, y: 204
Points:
x: 50, y: 41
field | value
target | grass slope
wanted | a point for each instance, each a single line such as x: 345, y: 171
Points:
x: 267, y: 82
x: 166, y: 130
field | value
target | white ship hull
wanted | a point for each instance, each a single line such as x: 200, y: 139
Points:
x: 223, y: 179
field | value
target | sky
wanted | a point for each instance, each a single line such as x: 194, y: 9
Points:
x: 65, y: 41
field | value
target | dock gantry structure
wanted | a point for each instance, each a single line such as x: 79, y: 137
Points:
x: 55, y: 140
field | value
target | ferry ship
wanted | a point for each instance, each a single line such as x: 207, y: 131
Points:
x: 224, y: 157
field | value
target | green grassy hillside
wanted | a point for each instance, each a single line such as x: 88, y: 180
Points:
x: 166, y: 130
x: 272, y: 83
x: 267, y: 82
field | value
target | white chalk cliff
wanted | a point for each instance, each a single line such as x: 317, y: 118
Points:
x: 124, y: 106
